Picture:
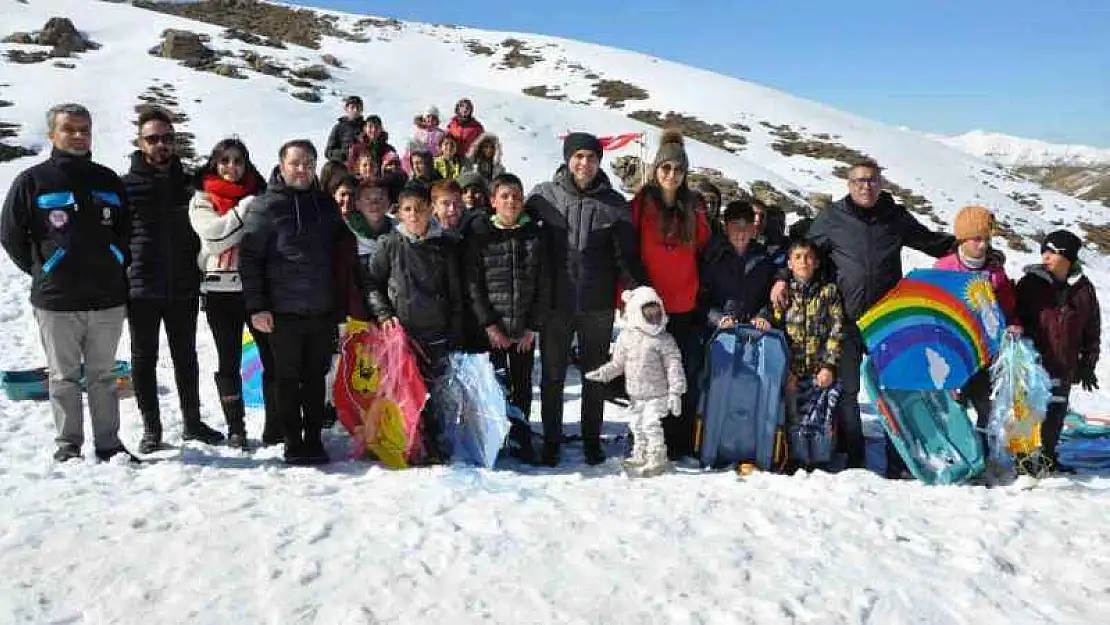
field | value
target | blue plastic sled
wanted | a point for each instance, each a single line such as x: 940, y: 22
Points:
x: 742, y: 413
x: 930, y: 430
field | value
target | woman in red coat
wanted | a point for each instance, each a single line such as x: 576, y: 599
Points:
x: 672, y: 230
x: 463, y: 127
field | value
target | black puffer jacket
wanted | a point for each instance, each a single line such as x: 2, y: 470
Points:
x: 66, y: 223
x: 164, y: 246
x: 343, y: 136
x: 592, y: 242
x: 418, y: 281
x: 734, y: 285
x: 290, y: 241
x: 507, y: 279
x: 865, y: 248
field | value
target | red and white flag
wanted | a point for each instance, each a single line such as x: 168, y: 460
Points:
x: 615, y: 142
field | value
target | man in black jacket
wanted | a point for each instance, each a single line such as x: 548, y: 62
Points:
x: 346, y: 130
x: 862, y: 235
x: 593, y: 250
x: 165, y: 282
x: 290, y: 240
x: 66, y: 223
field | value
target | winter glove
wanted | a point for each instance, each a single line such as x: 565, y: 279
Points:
x: 1087, y: 378
x: 674, y: 404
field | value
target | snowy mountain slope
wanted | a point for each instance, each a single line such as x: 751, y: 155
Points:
x: 211, y: 537
x: 1017, y: 151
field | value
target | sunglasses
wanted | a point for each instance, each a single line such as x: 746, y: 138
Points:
x: 232, y: 160
x: 668, y: 168
x: 873, y: 182
x: 164, y: 139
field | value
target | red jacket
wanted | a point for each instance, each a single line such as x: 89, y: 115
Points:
x: 1062, y: 318
x: 996, y: 273
x: 672, y: 267
x: 465, y: 132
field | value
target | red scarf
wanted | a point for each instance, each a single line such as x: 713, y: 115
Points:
x: 225, y: 195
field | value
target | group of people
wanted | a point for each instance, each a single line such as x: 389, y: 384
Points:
x: 443, y: 242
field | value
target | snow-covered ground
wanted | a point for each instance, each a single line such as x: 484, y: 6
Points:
x: 208, y: 536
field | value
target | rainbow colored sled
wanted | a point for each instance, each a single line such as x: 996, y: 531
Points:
x: 934, y: 330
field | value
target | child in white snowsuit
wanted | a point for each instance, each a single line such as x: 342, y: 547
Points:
x: 651, y: 363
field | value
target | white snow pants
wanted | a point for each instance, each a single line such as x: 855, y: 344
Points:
x: 647, y: 431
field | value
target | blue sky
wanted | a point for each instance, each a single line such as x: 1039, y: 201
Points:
x: 1029, y: 68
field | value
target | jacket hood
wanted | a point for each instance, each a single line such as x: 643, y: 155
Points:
x: 435, y: 231
x: 634, y: 302
x: 482, y: 139
x: 565, y: 179
x: 1039, y: 271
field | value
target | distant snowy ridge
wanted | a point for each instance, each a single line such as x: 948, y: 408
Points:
x: 1019, y: 152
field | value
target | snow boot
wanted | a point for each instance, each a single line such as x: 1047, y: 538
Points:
x: 65, y: 453
x: 313, y: 449
x: 550, y: 455
x: 152, y: 434
x: 106, y: 455
x: 594, y: 452
x: 657, y: 463
x: 520, y: 442
x: 638, y: 457
x: 231, y: 400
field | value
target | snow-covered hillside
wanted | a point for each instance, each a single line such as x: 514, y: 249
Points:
x: 208, y: 536
x: 1017, y: 151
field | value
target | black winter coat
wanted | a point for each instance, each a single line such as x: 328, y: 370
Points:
x: 290, y: 241
x: 592, y: 242
x: 865, y: 248
x: 66, y: 223
x: 418, y: 282
x: 164, y: 246
x: 343, y: 135
x: 507, y: 277
x: 735, y: 285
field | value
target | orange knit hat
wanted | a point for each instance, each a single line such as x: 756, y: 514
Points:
x: 973, y: 221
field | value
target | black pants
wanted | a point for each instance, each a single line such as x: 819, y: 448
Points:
x: 1054, y: 421
x: 849, y: 426
x: 302, y: 354
x: 433, y: 351
x: 594, y: 331
x: 518, y: 369
x: 144, y: 317
x: 977, y: 394
x: 678, y: 431
x: 227, y: 314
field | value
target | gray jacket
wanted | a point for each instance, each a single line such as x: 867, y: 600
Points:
x: 592, y: 242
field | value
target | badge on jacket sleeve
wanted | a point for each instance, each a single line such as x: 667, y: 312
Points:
x: 58, y: 219
x: 106, y: 216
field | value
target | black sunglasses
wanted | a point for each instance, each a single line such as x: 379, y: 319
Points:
x: 164, y: 139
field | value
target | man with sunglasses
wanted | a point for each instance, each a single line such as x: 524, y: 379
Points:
x: 862, y: 235
x: 165, y: 279
x: 66, y: 223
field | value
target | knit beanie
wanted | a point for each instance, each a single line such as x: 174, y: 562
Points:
x: 576, y: 141
x: 973, y: 221
x: 1063, y: 243
x: 671, y: 148
x: 472, y: 179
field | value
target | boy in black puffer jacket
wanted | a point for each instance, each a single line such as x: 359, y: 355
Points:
x: 509, y: 290
x: 414, y: 281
